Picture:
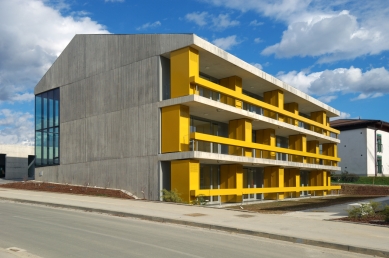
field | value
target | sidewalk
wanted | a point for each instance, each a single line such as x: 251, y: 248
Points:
x: 365, y: 239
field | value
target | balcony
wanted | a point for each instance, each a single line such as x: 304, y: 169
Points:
x: 227, y: 96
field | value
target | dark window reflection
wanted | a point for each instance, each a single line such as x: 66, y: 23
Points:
x: 47, y: 128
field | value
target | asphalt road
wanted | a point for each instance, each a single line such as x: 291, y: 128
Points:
x: 50, y: 232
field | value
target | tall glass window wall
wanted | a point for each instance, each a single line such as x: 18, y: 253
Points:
x: 47, y: 128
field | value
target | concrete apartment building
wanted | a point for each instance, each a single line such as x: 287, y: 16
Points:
x: 16, y: 161
x: 148, y: 112
x: 364, y: 148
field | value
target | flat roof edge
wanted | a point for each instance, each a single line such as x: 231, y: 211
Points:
x: 198, y: 41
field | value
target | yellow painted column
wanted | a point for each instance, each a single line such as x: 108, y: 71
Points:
x: 330, y: 149
x: 184, y: 63
x: 320, y: 117
x: 240, y: 129
x: 292, y: 107
x: 292, y: 179
x: 273, y: 177
x: 313, y: 147
x: 268, y: 137
x: 231, y: 177
x: 234, y: 83
x: 274, y: 98
x: 185, y: 176
x: 298, y: 142
x: 175, y: 126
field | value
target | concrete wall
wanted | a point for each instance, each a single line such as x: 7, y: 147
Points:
x: 353, y: 152
x: 16, y: 164
x: 357, y: 151
x: 109, y: 118
x: 385, y: 152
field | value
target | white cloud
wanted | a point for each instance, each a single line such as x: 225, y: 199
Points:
x: 258, y: 40
x: 16, y: 127
x: 343, y: 115
x: 33, y: 34
x: 255, y: 23
x: 319, y: 29
x: 223, y: 21
x: 220, y: 22
x: 29, y: 45
x: 328, y: 99
x: 259, y: 66
x: 370, y: 84
x: 149, y: 25
x: 198, y: 18
x: 227, y: 42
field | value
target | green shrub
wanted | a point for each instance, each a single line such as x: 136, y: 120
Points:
x: 375, y: 205
x: 364, y: 210
x: 171, y: 196
x: 200, y: 200
x: 386, y: 213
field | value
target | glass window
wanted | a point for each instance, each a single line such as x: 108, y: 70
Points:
x: 379, y: 143
x: 379, y: 164
x: 47, y: 128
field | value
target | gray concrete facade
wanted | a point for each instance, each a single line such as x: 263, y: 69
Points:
x: 109, y: 118
x: 112, y: 88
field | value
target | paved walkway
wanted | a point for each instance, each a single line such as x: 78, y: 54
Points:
x: 373, y: 240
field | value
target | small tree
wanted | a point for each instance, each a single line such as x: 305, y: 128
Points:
x: 171, y: 196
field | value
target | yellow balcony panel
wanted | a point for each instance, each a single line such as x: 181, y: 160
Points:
x: 238, y: 143
x: 240, y: 191
x: 224, y: 113
x: 245, y: 98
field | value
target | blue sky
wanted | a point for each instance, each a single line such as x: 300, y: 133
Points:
x: 335, y: 50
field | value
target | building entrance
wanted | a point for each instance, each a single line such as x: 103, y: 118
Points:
x: 2, y: 165
x: 210, y: 179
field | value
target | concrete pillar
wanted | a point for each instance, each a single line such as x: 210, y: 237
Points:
x: 231, y: 177
x: 273, y: 177
x: 267, y: 137
x: 330, y: 149
x: 297, y: 142
x: 292, y: 107
x: 274, y: 98
x: 184, y: 63
x: 320, y: 117
x: 240, y: 129
x: 292, y: 179
x: 185, y: 176
x: 233, y: 83
x: 313, y: 147
x: 175, y: 124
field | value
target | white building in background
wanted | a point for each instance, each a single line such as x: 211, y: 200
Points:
x: 16, y: 161
x: 364, y: 147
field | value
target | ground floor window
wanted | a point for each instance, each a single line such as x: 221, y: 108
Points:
x: 252, y: 178
x: 210, y: 179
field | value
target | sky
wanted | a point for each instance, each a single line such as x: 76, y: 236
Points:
x: 337, y: 51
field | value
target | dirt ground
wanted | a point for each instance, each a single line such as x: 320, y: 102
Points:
x: 285, y: 206
x: 72, y: 189
x: 355, y: 189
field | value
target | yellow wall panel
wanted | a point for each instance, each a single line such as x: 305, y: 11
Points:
x: 185, y: 176
x: 175, y: 124
x: 184, y: 63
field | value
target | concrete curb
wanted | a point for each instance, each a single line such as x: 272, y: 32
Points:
x: 349, y: 248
